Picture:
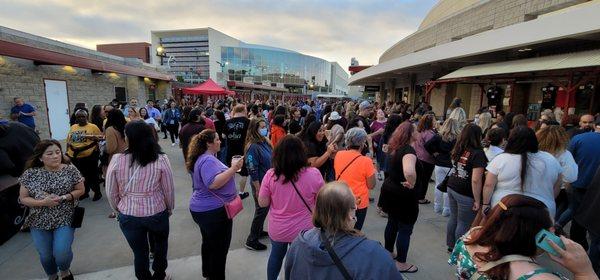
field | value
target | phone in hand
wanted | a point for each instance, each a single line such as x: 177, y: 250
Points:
x: 541, y: 240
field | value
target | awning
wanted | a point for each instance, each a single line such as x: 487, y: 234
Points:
x: 232, y: 84
x: 545, y: 63
x: 208, y: 88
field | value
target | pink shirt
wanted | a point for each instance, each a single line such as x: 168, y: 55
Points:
x: 150, y: 191
x: 287, y: 213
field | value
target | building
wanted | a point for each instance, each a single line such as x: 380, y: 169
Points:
x: 513, y: 55
x: 139, y: 50
x: 194, y: 55
x: 54, y: 76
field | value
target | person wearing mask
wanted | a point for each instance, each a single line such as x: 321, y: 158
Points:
x: 495, y: 139
x: 440, y: 146
x: 504, y: 246
x: 23, y: 112
x: 522, y: 169
x: 236, y: 130
x: 356, y: 170
x: 277, y: 129
x: 318, y: 152
x: 17, y: 142
x: 289, y: 189
x: 49, y: 187
x: 465, y: 182
x: 82, y: 149
x: 309, y: 256
x: 140, y: 188
x: 171, y: 120
x: 147, y: 119
x: 586, y: 152
x: 398, y: 197
x: 258, y: 161
x: 194, y: 126
x: 214, y: 186
x: 426, y: 162
x: 295, y: 124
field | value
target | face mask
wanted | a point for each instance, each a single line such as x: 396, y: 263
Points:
x: 263, y: 131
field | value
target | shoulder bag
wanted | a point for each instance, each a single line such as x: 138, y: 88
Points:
x: 334, y: 257
x: 301, y: 197
x: 78, y: 213
x: 233, y: 207
x: 443, y: 186
x: 338, y: 177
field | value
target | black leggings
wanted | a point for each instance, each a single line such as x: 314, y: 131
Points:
x: 424, y: 171
x: 174, y: 131
x: 88, y: 166
x: 216, y: 229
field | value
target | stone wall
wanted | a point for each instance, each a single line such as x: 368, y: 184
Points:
x: 20, y: 77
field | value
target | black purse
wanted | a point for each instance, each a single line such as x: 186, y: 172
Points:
x: 78, y: 213
x: 443, y: 186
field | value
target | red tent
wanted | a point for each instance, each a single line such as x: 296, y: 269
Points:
x: 208, y: 88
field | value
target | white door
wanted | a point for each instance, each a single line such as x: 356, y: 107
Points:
x: 58, y: 108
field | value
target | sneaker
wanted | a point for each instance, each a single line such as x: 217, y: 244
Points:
x: 264, y: 234
x: 446, y: 213
x: 437, y: 210
x: 177, y: 141
x: 68, y: 277
x: 243, y: 195
x: 151, y: 256
x: 172, y: 144
x: 255, y: 246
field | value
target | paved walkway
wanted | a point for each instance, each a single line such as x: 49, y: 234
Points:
x: 101, y: 252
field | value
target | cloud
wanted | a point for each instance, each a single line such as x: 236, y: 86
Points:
x: 333, y: 30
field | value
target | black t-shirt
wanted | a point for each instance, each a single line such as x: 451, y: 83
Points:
x: 494, y: 94
x: 295, y: 126
x: 235, y: 131
x: 441, y: 150
x: 316, y: 149
x: 460, y: 176
x: 396, y: 200
x: 366, y: 123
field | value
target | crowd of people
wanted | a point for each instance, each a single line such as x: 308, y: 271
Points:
x: 498, y: 178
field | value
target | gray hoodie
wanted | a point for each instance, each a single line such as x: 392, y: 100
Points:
x: 364, y: 259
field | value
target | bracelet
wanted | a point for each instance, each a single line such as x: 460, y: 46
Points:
x: 72, y: 197
x: 486, y: 204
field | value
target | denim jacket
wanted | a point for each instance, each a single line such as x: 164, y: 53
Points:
x: 172, y: 114
x: 258, y: 160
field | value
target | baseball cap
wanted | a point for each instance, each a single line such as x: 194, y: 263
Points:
x: 364, y: 105
x: 334, y: 116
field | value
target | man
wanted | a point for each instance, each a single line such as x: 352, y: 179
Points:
x: 586, y: 124
x: 585, y: 148
x: 365, y: 110
x: 133, y: 103
x: 152, y: 111
x: 296, y: 124
x: 587, y: 216
x: 194, y: 126
x: 23, y: 112
x: 235, y: 131
x: 16, y: 146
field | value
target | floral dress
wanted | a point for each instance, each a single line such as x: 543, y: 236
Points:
x: 40, y: 183
x: 466, y: 268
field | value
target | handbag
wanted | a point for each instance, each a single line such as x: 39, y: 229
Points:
x: 443, y: 186
x: 334, y: 257
x: 233, y: 207
x: 78, y: 213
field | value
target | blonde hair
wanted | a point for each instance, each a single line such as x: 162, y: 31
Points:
x: 485, y: 120
x: 240, y: 108
x: 552, y: 139
x: 449, y: 130
x: 334, y: 201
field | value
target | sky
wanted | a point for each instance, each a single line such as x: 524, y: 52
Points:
x: 332, y: 30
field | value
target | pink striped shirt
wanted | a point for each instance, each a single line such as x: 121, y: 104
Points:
x: 150, y: 191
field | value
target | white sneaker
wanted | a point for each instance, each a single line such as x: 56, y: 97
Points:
x: 173, y: 145
x: 177, y: 141
x: 446, y: 212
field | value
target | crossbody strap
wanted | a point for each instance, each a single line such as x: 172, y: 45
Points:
x: 301, y: 197
x: 505, y: 259
x: 334, y: 257
x: 338, y: 177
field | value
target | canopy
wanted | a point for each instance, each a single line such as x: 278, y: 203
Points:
x: 208, y: 88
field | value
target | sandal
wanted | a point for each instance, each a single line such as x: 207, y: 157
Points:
x: 424, y: 201
x: 408, y: 270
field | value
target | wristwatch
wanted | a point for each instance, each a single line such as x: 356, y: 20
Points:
x: 63, y: 198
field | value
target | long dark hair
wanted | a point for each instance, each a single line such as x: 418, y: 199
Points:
x: 95, y: 117
x: 470, y: 138
x: 116, y: 120
x: 38, y: 152
x: 510, y: 232
x: 289, y: 158
x: 522, y: 140
x: 146, y: 116
x: 307, y: 121
x: 198, y: 146
x: 141, y: 143
x: 401, y: 136
x: 393, y: 121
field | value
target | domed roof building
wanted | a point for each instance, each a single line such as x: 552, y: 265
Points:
x: 511, y: 55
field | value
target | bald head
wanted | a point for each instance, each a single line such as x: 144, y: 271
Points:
x: 586, y: 122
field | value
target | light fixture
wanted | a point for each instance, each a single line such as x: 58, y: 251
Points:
x: 160, y: 51
x: 113, y: 75
x: 69, y: 69
x: 524, y: 50
x: 2, y: 61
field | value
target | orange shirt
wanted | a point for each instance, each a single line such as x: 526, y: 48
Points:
x: 356, y: 174
x: 277, y: 133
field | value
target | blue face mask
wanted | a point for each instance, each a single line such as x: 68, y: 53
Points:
x: 263, y: 131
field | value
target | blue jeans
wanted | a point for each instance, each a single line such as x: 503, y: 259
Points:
x: 461, y: 216
x: 54, y: 248
x: 399, y: 232
x: 278, y: 251
x: 136, y: 231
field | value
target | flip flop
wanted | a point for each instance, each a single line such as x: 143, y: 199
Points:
x: 424, y: 201
x: 408, y: 270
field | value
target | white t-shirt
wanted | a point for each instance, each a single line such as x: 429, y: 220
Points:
x: 492, y: 151
x: 570, y: 170
x: 152, y: 121
x: 542, y: 172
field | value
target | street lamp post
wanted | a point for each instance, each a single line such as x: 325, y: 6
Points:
x: 160, y: 52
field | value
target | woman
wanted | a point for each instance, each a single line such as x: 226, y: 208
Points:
x: 317, y: 150
x: 554, y: 139
x: 171, y: 120
x: 495, y: 140
x: 440, y: 146
x: 194, y: 125
x: 504, y: 246
x: 49, y: 187
x: 258, y: 153
x: 399, y: 196
x: 426, y: 161
x: 392, y: 123
x: 334, y: 219
x: 336, y: 130
x: 377, y: 125
x: 485, y: 122
x: 289, y: 189
x: 277, y: 129
x: 356, y: 170
x: 139, y: 186
x: 97, y: 117
x: 133, y: 114
x: 465, y: 182
x: 221, y: 129
x: 82, y: 149
x: 115, y: 133
x: 143, y: 112
x: 519, y: 120
x: 522, y: 169
x: 214, y: 185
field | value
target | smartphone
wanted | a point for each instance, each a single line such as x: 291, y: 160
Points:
x: 542, y: 243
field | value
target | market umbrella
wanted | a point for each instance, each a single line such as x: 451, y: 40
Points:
x: 208, y: 88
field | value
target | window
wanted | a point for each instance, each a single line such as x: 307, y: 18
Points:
x: 121, y: 94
